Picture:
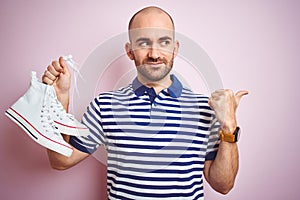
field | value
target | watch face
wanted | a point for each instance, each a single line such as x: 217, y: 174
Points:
x: 237, y: 133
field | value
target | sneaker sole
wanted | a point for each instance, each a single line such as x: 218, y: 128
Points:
x: 37, y: 136
x: 72, y: 130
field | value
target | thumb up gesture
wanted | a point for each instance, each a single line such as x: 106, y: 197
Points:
x: 224, y: 103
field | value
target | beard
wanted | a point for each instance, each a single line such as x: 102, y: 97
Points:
x: 154, y: 70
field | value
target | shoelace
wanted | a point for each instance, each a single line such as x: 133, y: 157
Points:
x: 46, y: 120
x: 57, y: 107
x: 72, y: 64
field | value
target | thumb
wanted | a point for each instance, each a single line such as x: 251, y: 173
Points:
x: 239, y: 95
x: 64, y: 66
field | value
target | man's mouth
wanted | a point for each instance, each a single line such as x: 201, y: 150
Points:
x: 154, y: 63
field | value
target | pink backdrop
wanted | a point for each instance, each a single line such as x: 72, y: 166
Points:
x: 254, y: 44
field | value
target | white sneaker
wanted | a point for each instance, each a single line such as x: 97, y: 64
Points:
x: 65, y: 122
x: 32, y: 113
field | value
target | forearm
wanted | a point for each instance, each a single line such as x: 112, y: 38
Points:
x: 61, y: 162
x: 223, y: 169
x: 58, y: 161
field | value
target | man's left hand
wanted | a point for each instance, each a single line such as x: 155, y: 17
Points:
x: 224, y: 102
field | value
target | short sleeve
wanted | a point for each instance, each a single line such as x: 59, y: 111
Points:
x: 213, y: 140
x: 92, y: 120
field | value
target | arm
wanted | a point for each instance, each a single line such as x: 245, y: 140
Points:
x: 57, y: 74
x: 61, y: 162
x: 221, y: 172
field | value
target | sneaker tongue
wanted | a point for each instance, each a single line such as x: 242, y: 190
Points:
x: 33, y: 74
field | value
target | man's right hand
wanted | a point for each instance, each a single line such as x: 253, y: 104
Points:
x: 58, y: 75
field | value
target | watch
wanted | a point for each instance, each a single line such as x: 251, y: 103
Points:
x: 230, y: 137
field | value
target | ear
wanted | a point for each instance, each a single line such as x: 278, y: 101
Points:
x: 176, y: 47
x: 129, y: 51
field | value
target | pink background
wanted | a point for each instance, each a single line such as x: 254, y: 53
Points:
x: 254, y: 44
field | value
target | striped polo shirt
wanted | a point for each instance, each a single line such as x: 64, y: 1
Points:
x: 156, y: 144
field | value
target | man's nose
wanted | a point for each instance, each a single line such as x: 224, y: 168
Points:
x: 153, y: 53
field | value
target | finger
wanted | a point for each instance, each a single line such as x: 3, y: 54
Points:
x: 215, y: 94
x: 218, y: 92
x: 64, y: 66
x: 222, y: 92
x: 47, y: 80
x: 57, y: 66
x: 52, y: 70
x: 240, y: 94
x: 50, y: 75
x: 210, y: 103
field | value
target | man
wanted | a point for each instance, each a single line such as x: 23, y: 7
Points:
x: 160, y: 137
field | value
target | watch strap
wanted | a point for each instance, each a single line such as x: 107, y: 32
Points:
x: 229, y: 137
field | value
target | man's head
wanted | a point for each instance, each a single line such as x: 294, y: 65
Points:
x: 152, y: 10
x: 152, y: 45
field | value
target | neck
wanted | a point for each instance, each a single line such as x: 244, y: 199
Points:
x: 157, y: 85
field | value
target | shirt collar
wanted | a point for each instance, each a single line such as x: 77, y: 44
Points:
x: 174, y: 90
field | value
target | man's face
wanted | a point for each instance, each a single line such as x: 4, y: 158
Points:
x: 153, y: 51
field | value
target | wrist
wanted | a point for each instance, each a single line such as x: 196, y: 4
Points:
x: 231, y: 137
x: 229, y: 127
x: 227, y: 121
x: 63, y: 98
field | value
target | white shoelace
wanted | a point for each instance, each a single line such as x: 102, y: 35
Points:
x: 72, y: 64
x: 46, y: 120
x: 56, y: 107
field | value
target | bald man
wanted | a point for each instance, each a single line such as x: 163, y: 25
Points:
x: 161, y: 138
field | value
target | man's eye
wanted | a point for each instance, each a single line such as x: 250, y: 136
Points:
x: 144, y: 44
x: 165, y: 43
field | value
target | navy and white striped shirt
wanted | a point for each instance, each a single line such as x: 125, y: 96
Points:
x: 156, y: 145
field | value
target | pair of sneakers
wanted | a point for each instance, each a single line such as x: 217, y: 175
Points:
x: 39, y: 113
